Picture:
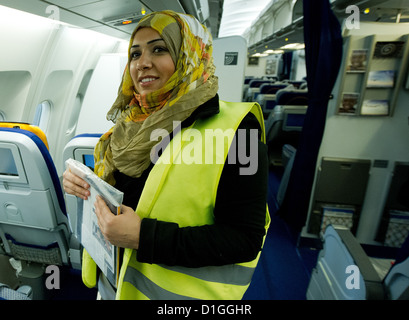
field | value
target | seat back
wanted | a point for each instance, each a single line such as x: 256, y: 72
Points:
x: 272, y: 88
x: 288, y: 157
x: 254, y: 89
x: 33, y: 219
x: 81, y: 148
x: 283, y: 126
x: 246, y: 85
x: 267, y: 96
x: 343, y: 270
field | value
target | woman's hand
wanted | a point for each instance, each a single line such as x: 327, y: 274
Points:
x: 120, y: 230
x: 74, y: 185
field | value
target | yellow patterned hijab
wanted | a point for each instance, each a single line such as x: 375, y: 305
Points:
x: 126, y: 146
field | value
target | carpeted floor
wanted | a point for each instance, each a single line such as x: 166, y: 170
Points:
x: 283, y: 271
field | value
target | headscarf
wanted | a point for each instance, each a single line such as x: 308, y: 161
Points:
x: 127, y: 146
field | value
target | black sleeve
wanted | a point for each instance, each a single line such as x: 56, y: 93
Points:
x: 240, y: 209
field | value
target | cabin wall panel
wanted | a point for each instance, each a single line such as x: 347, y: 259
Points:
x: 230, y: 74
x: 14, y: 87
x: 24, y: 40
x: 101, y: 94
x: 256, y: 71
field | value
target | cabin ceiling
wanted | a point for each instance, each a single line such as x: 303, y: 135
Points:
x: 383, y: 11
x: 106, y: 16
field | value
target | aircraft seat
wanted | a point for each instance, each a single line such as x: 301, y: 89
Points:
x: 246, y: 85
x: 283, y: 126
x: 254, y: 89
x: 288, y: 156
x: 292, y: 97
x: 81, y: 148
x: 267, y: 96
x: 297, y: 84
x: 33, y: 220
x: 345, y: 272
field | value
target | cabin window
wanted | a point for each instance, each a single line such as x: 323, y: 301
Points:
x: 42, y: 115
x: 2, y: 116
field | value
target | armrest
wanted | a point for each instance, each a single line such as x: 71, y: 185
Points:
x: 373, y: 284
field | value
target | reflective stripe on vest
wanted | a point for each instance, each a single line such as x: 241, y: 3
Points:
x: 189, y: 203
x: 222, y: 282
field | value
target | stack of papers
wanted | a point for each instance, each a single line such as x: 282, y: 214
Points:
x: 88, y: 233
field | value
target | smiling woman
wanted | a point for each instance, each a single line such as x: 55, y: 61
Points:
x: 171, y: 222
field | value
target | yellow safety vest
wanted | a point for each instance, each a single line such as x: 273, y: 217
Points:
x: 182, y: 188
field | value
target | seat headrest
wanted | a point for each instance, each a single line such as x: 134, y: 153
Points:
x: 294, y: 97
x: 297, y: 84
x: 271, y: 88
x: 28, y: 127
x: 258, y: 83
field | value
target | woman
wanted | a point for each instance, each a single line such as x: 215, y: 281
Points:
x: 190, y: 231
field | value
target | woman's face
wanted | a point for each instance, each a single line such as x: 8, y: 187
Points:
x: 151, y: 64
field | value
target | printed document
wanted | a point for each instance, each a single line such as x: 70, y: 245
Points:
x: 88, y: 233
